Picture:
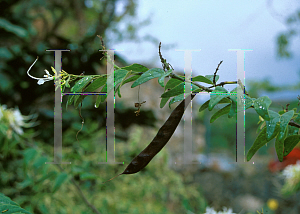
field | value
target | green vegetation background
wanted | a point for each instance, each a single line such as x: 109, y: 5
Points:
x: 27, y: 29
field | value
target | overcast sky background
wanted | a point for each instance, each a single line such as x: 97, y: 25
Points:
x: 214, y: 27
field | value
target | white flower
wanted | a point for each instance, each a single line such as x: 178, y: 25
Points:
x: 292, y: 173
x: 48, y: 76
x: 210, y: 210
x: 14, y: 119
x: 292, y: 179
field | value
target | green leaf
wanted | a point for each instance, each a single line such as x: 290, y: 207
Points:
x: 292, y: 129
x: 67, y: 82
x: 5, y: 54
x: 88, y: 176
x: 279, y: 143
x: 163, y: 102
x: 261, y: 106
x: 205, y: 105
x: 6, y: 200
x: 95, y: 84
x: 201, y: 78
x: 17, y: 30
x: 76, y: 97
x: 148, y: 75
x: 70, y: 100
x: 290, y: 143
x: 118, y: 77
x: 260, y: 141
x: 248, y: 101
x: 219, y: 113
x: 25, y: 183
x: 284, y: 121
x: 80, y: 84
x: 60, y: 179
x: 216, y: 96
x: 29, y: 155
x: 211, y: 77
x: 47, y: 176
x: 7, y: 206
x: 5, y: 81
x: 136, y: 67
x: 179, y: 89
x: 172, y: 83
x: 130, y: 79
x: 121, y: 84
x: 40, y: 162
x: 279, y: 148
x: 161, y: 79
x: 271, y: 124
x: 98, y: 101
x: 119, y: 91
x: 176, y: 99
x: 79, y: 100
x: 233, y: 109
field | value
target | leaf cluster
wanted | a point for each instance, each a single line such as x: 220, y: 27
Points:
x: 275, y: 125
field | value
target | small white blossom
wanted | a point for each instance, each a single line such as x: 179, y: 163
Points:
x: 14, y: 119
x: 210, y: 210
x: 48, y: 76
x: 292, y: 178
x: 292, y: 172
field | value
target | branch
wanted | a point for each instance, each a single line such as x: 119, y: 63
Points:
x: 200, y: 86
x: 224, y: 83
x: 166, y: 66
x: 293, y: 123
x: 214, y: 80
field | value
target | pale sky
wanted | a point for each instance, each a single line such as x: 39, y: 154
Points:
x: 214, y: 27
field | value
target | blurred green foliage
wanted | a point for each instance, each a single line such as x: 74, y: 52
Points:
x: 27, y: 30
x: 45, y: 188
x: 284, y: 39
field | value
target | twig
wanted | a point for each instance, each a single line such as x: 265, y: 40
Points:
x: 103, y: 47
x: 106, y: 54
x: 293, y: 123
x: 166, y: 66
x: 224, y: 83
x: 214, y: 80
x: 200, y: 86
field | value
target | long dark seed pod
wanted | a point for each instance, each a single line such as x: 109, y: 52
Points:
x: 160, y: 140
